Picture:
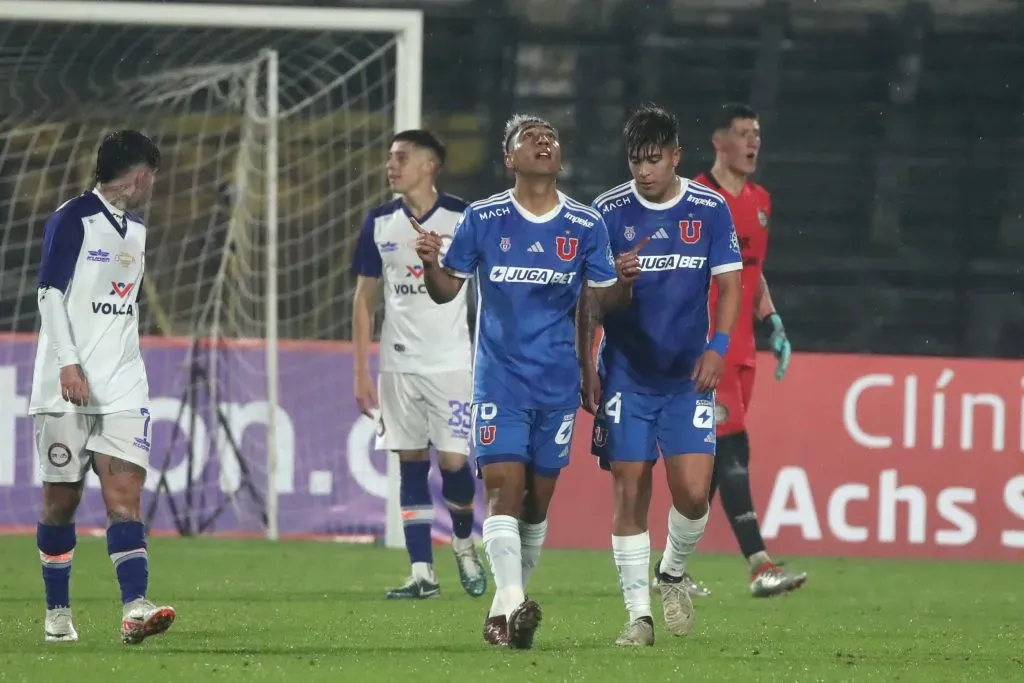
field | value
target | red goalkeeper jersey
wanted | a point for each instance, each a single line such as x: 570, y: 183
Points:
x: 751, y: 213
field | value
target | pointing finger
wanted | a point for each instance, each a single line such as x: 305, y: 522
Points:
x: 416, y: 226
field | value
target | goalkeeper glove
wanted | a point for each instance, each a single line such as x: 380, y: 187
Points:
x: 778, y: 342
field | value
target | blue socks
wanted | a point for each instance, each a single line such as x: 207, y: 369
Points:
x: 458, y: 489
x: 417, y: 510
x: 56, y: 545
x: 126, y: 545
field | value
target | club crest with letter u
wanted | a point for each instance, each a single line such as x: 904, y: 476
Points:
x: 566, y: 247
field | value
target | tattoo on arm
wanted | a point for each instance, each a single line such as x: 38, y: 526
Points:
x: 588, y: 317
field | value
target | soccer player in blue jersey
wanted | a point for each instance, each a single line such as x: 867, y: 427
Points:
x: 530, y: 249
x: 656, y: 386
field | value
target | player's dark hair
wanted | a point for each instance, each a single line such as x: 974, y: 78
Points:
x: 517, y: 123
x: 728, y: 113
x: 424, y: 139
x: 123, y: 150
x: 650, y: 127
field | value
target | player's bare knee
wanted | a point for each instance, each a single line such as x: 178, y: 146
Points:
x: 505, y: 488
x: 628, y: 492
x: 60, y: 502
x: 691, y: 503
x: 504, y: 501
x: 121, y: 484
x: 535, y: 506
x: 540, y: 489
x: 413, y: 456
x: 451, y: 462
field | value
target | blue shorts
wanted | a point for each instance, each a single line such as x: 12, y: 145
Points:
x: 632, y: 427
x: 540, y: 439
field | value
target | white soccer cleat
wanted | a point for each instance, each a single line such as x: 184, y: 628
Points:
x: 58, y: 627
x: 637, y: 633
x: 143, y: 619
x: 676, y: 604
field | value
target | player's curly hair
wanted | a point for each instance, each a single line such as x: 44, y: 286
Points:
x: 517, y: 123
x: 650, y: 127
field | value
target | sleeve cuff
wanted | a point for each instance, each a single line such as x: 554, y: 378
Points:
x: 598, y: 284
x: 727, y: 268
x: 457, y: 273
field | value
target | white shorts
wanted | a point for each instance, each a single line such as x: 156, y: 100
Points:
x: 419, y: 410
x: 66, y: 442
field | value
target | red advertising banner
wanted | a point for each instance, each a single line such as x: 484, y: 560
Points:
x: 859, y: 456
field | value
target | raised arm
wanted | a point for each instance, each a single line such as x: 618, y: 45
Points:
x: 444, y: 281
x: 442, y: 286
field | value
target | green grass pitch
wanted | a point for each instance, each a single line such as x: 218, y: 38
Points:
x: 308, y: 611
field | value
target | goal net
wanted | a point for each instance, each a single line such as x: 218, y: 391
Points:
x: 274, y: 125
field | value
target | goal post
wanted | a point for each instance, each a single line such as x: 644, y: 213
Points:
x: 273, y: 124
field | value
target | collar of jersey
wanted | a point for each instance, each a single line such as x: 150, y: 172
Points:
x: 117, y: 213
x: 549, y: 216
x: 683, y: 185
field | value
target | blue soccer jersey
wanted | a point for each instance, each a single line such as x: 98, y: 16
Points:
x: 653, y: 345
x: 648, y: 400
x: 529, y: 271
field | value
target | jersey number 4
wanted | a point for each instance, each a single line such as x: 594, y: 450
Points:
x: 689, y: 231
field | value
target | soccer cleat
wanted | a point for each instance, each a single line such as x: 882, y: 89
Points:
x: 58, y: 627
x: 695, y: 588
x: 415, y: 589
x: 143, y: 619
x: 522, y: 625
x: 496, y: 631
x: 638, y: 633
x: 676, y: 605
x: 471, y: 570
x: 770, y: 580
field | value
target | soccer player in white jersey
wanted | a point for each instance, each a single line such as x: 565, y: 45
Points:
x: 530, y: 249
x: 425, y: 376
x: 656, y: 387
x: 90, y: 393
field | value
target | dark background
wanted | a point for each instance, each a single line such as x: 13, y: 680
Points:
x: 893, y: 142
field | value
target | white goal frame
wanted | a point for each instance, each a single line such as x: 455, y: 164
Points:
x: 406, y: 25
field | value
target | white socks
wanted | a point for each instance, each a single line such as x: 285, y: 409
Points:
x: 505, y: 554
x: 423, y: 571
x: 531, y: 539
x: 683, y: 536
x: 633, y: 558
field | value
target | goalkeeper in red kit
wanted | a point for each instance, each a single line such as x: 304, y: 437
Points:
x: 737, y: 141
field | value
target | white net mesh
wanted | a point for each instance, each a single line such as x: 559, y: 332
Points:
x: 201, y: 94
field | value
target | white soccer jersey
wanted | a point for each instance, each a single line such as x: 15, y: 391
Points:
x: 418, y: 336
x: 92, y: 266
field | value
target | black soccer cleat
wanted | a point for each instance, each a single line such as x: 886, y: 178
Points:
x: 415, y: 589
x: 523, y: 624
